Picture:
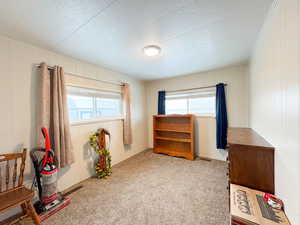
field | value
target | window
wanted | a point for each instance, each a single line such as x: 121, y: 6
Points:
x: 86, y: 104
x: 200, y: 103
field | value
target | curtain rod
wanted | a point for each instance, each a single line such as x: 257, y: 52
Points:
x: 190, y: 89
x: 84, y: 77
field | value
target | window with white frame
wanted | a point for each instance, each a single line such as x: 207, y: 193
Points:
x: 197, y: 102
x: 88, y: 104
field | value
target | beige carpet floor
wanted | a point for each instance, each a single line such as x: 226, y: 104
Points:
x: 152, y: 189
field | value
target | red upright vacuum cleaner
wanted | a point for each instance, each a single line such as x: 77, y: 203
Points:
x: 46, y: 174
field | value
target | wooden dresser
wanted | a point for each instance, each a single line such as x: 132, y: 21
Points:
x: 174, y: 135
x: 250, y: 160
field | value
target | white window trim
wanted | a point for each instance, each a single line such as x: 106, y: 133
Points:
x: 204, y: 115
x: 96, y: 120
x: 92, y: 87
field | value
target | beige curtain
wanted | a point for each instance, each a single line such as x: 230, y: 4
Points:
x: 53, y: 113
x: 127, y: 114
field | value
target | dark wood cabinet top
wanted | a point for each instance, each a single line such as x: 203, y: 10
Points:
x: 247, y: 137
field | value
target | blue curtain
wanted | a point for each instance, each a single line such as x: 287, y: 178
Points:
x: 161, y: 103
x: 221, y: 117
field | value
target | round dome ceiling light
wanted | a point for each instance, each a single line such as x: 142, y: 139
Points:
x: 152, y: 50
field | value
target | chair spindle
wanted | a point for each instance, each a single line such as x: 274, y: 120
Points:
x: 22, y: 167
x: 0, y: 179
x: 15, y: 172
x: 7, y: 174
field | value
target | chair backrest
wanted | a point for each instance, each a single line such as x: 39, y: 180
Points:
x: 9, y: 170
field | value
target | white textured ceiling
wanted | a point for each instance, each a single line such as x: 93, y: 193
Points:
x: 195, y: 35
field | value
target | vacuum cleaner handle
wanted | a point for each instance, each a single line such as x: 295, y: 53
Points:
x: 47, y: 139
x: 47, y: 158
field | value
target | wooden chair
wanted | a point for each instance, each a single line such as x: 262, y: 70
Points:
x: 12, y: 191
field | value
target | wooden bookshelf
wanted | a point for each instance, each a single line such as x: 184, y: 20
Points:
x: 174, y: 135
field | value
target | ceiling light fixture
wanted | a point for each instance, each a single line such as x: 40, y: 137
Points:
x: 151, y: 50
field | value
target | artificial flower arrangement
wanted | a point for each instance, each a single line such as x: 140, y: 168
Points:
x: 98, y: 143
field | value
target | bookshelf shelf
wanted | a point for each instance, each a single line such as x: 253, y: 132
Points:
x: 174, y: 130
x: 174, y: 139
